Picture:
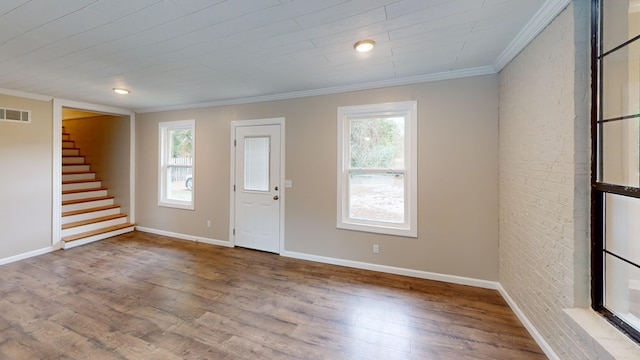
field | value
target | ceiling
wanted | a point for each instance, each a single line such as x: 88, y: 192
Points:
x: 177, y: 53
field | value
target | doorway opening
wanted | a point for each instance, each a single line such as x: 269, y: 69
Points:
x: 93, y: 177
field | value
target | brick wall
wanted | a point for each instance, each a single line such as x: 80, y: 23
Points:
x: 544, y: 178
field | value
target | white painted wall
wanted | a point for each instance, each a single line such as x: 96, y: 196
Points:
x: 544, y: 179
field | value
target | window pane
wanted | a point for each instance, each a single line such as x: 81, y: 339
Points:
x: 181, y: 146
x: 178, y: 186
x: 377, y: 143
x: 376, y: 196
x: 256, y: 163
x: 622, y: 290
x: 621, y: 82
x: 622, y: 228
x: 621, y: 23
x: 620, y: 156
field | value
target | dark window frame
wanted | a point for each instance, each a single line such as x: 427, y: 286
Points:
x: 599, y: 189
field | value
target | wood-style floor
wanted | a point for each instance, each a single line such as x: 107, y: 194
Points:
x: 143, y: 296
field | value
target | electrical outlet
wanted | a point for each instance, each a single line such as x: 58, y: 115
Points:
x: 208, y: 223
x: 376, y: 249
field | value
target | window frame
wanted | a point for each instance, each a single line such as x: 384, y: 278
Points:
x: 408, y: 109
x: 164, y: 129
x: 599, y: 188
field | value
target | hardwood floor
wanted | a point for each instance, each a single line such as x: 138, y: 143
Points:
x: 143, y: 296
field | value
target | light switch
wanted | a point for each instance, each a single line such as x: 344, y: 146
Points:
x: 288, y: 184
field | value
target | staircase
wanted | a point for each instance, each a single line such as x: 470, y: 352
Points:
x: 88, y: 212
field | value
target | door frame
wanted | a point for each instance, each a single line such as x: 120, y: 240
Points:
x: 232, y: 171
x: 58, y: 104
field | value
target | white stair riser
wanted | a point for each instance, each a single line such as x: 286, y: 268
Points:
x: 73, y: 177
x: 90, y: 239
x: 73, y: 160
x: 68, y: 144
x: 87, y: 205
x: 91, y: 215
x: 84, y: 195
x: 82, y: 185
x: 75, y: 168
x: 70, y: 152
x: 94, y: 226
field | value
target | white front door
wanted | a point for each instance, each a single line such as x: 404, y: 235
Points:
x: 257, y: 187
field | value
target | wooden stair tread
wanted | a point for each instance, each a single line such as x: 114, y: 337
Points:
x: 96, y: 232
x: 79, y: 201
x: 90, y: 210
x: 66, y: 192
x: 68, y: 182
x: 77, y: 172
x: 92, y: 221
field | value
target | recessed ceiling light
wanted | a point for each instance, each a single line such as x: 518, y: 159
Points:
x: 121, y: 91
x: 364, y: 45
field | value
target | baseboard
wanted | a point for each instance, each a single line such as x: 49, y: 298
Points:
x: 27, y: 255
x: 184, y: 236
x: 395, y: 270
x: 539, y: 339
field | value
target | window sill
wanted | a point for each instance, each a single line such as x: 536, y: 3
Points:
x: 377, y: 229
x: 604, y: 338
x: 176, y: 205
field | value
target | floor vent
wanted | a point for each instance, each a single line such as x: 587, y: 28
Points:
x: 15, y: 115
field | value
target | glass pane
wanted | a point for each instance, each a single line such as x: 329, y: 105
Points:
x: 622, y: 290
x: 376, y: 196
x: 621, y: 82
x: 620, y: 154
x: 179, y: 183
x: 377, y: 143
x: 622, y: 228
x: 621, y: 22
x: 180, y: 147
x: 256, y: 163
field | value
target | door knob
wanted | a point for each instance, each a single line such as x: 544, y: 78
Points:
x: 276, y: 197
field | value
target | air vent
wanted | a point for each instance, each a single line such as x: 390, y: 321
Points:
x: 15, y: 115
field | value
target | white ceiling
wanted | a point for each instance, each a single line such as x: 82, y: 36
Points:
x: 176, y: 53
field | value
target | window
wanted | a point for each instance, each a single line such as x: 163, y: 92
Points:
x: 616, y: 169
x: 177, y: 159
x: 377, y: 180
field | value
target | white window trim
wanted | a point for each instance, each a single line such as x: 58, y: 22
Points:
x: 163, y: 129
x: 410, y: 227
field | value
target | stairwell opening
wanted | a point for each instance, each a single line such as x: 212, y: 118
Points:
x: 96, y: 178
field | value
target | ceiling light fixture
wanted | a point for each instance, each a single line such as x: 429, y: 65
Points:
x: 121, y: 91
x: 364, y: 45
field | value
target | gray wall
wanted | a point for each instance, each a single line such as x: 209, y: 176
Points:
x: 457, y: 177
x: 25, y: 183
x: 105, y: 143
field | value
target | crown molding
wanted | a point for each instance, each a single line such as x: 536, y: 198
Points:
x: 25, y: 95
x: 455, y: 74
x: 543, y: 17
